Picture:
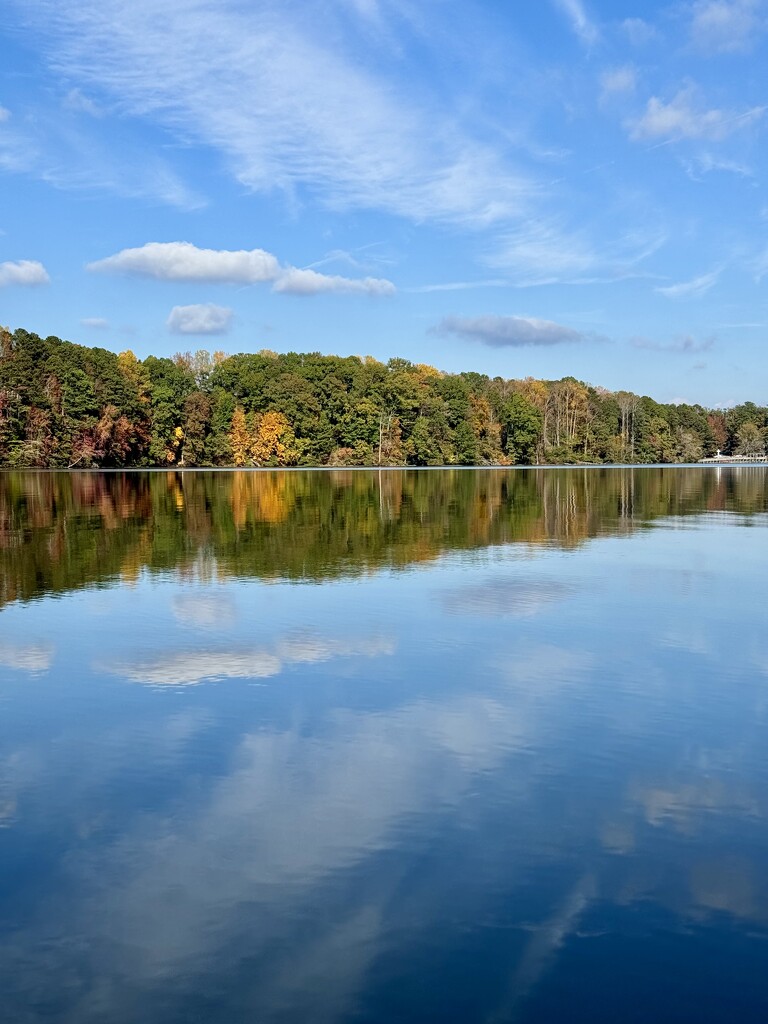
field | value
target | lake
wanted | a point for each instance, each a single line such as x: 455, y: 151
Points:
x: 359, y: 746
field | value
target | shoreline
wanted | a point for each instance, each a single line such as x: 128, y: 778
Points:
x: 705, y: 464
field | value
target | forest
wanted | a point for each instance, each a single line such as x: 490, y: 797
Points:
x: 64, y: 405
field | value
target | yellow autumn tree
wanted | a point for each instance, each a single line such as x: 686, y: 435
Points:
x: 273, y: 442
x: 240, y: 438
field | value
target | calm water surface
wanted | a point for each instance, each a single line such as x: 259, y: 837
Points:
x: 428, y: 746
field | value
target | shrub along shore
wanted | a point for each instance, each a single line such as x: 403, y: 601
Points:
x: 66, y: 405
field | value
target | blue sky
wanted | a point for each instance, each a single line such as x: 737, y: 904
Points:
x: 541, y: 189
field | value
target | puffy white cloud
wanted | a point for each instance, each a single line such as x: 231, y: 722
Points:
x: 5, y: 114
x: 681, y: 119
x: 727, y: 26
x: 201, y: 318
x: 508, y: 331
x: 183, y: 261
x: 309, y: 282
x: 26, y: 273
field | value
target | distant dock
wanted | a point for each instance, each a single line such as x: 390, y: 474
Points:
x: 731, y: 460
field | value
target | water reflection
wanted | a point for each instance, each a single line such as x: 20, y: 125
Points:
x: 62, y: 530
x: 523, y: 781
x: 185, y: 667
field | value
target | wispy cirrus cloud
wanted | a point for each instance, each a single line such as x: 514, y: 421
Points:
x: 546, y: 251
x: 76, y: 101
x: 26, y: 273
x: 582, y: 25
x: 183, y: 261
x: 727, y: 26
x: 287, y: 110
x: 707, y: 163
x: 200, y: 318
x: 49, y: 143
x: 509, y: 331
x: 97, y: 323
x: 684, y: 345
x: 690, y: 289
x: 458, y: 286
x: 684, y: 118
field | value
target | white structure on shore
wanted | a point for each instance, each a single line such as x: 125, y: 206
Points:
x: 720, y: 459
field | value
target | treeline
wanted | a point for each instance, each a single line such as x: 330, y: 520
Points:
x: 66, y: 405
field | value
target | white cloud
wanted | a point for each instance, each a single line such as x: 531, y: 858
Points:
x: 98, y: 323
x: 79, y: 103
x: 5, y: 114
x: 540, y: 252
x: 639, y: 32
x: 581, y: 24
x: 293, y: 281
x: 55, y: 147
x: 618, y: 80
x: 458, y: 286
x: 33, y: 658
x: 690, y: 289
x: 508, y: 331
x: 727, y: 26
x: 288, y: 110
x: 201, y: 318
x: 680, y: 119
x: 686, y: 345
x: 26, y: 273
x: 544, y: 252
x: 706, y: 163
x: 183, y: 261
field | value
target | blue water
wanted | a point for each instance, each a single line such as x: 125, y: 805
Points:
x: 446, y: 748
